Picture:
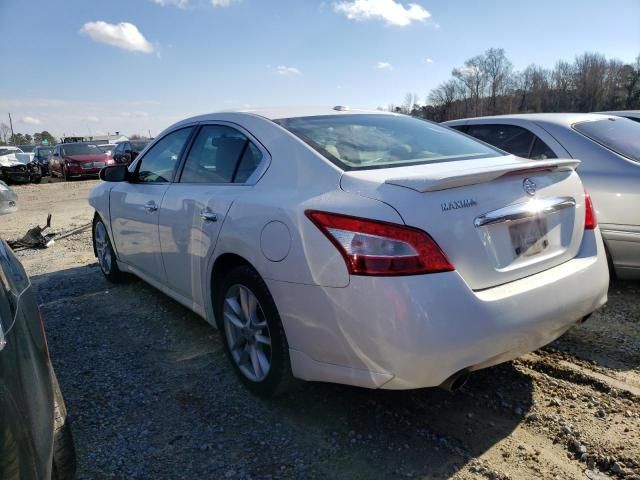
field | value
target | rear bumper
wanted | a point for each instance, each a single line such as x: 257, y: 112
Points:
x: 623, y: 242
x: 416, y: 331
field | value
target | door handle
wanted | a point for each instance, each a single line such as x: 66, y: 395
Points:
x: 151, y: 206
x: 208, y: 216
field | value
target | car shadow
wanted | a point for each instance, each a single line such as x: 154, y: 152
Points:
x: 150, y: 393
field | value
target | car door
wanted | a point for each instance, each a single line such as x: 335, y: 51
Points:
x: 134, y: 205
x: 222, y: 164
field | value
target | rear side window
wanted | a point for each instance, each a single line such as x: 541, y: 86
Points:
x: 512, y: 139
x: 159, y: 163
x: 366, y: 141
x: 541, y: 151
x: 220, y: 154
x: 620, y: 135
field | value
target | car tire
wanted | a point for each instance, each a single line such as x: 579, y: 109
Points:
x: 105, y: 253
x: 265, y: 369
x: 36, y: 180
x: 64, y: 452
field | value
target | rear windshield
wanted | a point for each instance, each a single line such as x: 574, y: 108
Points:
x: 81, y: 149
x: 618, y: 134
x: 383, y: 141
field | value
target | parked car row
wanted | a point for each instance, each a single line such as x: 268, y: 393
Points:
x: 29, y: 163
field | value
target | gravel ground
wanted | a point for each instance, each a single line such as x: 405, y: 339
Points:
x: 151, y: 395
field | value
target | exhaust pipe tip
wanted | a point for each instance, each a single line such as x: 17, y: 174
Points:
x: 584, y: 319
x: 456, y: 381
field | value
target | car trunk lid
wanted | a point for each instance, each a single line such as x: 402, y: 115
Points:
x: 497, y: 219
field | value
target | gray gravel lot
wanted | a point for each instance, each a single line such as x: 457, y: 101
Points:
x: 151, y: 395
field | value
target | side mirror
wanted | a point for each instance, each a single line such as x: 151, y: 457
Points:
x: 114, y: 173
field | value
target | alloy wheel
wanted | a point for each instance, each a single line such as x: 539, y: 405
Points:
x: 247, y: 333
x: 105, y: 258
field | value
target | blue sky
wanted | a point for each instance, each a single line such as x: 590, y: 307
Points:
x: 71, y: 68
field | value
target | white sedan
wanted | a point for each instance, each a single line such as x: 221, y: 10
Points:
x: 356, y: 247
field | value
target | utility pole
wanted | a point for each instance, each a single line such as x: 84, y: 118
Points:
x: 11, y: 124
x: 149, y: 133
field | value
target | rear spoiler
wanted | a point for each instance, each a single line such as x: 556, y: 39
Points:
x: 444, y: 179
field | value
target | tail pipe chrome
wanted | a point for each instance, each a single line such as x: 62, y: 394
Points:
x: 456, y: 381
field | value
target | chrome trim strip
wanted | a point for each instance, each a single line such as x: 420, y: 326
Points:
x: 520, y: 211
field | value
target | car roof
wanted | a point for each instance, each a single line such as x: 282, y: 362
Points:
x: 291, y: 112
x: 622, y: 113
x: 563, y: 119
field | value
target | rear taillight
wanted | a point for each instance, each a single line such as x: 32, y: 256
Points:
x: 590, y: 221
x: 372, y: 247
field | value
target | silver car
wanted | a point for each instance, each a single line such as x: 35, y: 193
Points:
x: 609, y: 148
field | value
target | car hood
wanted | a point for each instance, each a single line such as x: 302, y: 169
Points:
x: 9, y: 160
x: 86, y: 158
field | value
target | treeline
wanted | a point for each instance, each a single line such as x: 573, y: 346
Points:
x: 6, y: 138
x: 487, y: 84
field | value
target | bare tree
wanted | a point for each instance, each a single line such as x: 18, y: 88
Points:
x: 488, y: 83
x: 473, y: 78
x: 4, y: 132
x: 497, y: 69
x: 589, y: 71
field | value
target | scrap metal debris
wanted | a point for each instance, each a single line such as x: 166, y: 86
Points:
x: 35, y: 239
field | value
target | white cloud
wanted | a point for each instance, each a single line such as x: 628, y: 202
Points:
x: 287, y: 71
x: 175, y: 3
x: 123, y: 35
x: 384, y: 66
x: 392, y: 12
x: 223, y: 3
x: 31, y: 120
x: 428, y: 60
x: 92, y: 118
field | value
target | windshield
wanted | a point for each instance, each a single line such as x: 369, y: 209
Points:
x: 44, y: 152
x: 80, y: 149
x: 138, y: 146
x: 618, y: 134
x: 382, y: 141
x: 27, y: 148
x: 107, y: 147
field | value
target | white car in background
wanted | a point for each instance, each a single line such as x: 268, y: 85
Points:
x: 356, y: 247
x: 609, y: 149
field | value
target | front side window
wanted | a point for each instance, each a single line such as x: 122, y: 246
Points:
x: 159, y: 163
x: 369, y: 141
x: 620, y: 135
x: 220, y: 154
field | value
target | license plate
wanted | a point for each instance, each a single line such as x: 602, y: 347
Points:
x: 529, y: 238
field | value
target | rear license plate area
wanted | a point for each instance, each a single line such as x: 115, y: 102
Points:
x: 529, y: 237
